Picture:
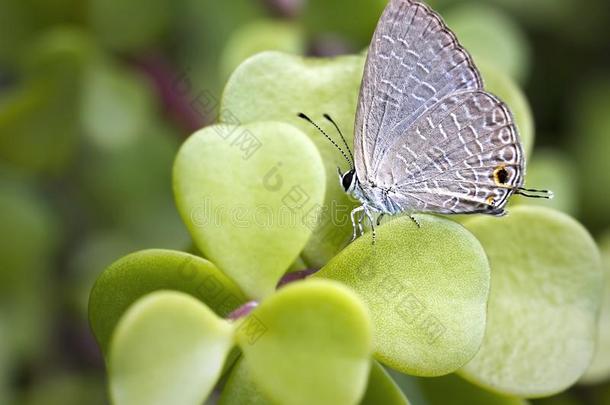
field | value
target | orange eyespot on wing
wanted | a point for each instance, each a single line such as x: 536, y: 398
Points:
x: 501, y: 175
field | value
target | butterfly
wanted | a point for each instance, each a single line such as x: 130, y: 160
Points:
x: 428, y: 137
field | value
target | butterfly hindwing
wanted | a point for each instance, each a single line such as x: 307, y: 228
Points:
x: 414, y: 61
x: 461, y: 156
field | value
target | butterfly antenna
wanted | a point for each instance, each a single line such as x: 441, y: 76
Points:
x: 306, y: 118
x: 340, y: 134
x: 533, y: 193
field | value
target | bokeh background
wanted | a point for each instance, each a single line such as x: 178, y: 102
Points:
x: 97, y: 95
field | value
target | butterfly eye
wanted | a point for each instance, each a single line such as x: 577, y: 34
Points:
x: 346, y: 180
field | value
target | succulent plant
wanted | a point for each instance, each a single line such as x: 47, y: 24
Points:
x: 272, y: 305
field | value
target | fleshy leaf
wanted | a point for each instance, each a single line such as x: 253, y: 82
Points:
x: 309, y: 343
x: 168, y: 348
x: 241, y: 390
x: 140, y: 273
x: 258, y: 36
x: 249, y: 197
x: 599, y: 370
x: 382, y: 389
x: 546, y: 274
x: 277, y: 86
x: 427, y: 291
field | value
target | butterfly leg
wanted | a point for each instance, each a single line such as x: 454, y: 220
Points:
x: 415, y: 220
x: 370, y: 217
x: 353, y: 217
x: 379, y: 218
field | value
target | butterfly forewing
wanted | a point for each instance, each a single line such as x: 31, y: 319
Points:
x: 426, y: 131
x: 414, y: 61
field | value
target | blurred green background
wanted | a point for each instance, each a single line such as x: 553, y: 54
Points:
x: 97, y: 95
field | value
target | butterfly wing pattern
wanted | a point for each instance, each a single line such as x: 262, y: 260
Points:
x: 428, y: 138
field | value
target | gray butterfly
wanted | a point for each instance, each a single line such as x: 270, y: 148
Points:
x: 428, y: 138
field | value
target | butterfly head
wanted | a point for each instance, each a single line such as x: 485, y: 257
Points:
x: 348, y: 180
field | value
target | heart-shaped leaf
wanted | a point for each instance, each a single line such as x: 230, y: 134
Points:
x: 426, y: 289
x: 258, y: 36
x: 241, y: 390
x: 168, y: 348
x: 277, y: 86
x: 599, y: 370
x: 140, y: 273
x: 382, y: 389
x: 310, y: 343
x: 250, y: 196
x: 545, y: 295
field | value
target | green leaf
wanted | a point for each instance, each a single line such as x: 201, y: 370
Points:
x: 241, y: 390
x: 168, y: 348
x: 599, y: 369
x: 546, y: 274
x: 491, y: 36
x: 259, y: 36
x: 140, y: 273
x: 382, y: 389
x: 276, y: 86
x: 427, y: 291
x: 249, y: 196
x: 501, y: 85
x: 310, y: 343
